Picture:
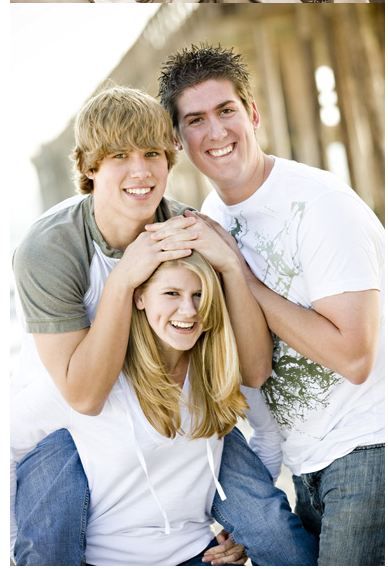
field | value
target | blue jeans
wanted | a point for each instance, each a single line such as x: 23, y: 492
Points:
x: 197, y: 560
x: 53, y: 498
x: 52, y: 502
x: 257, y: 513
x: 343, y: 504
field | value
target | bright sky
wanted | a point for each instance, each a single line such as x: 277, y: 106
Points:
x: 59, y: 54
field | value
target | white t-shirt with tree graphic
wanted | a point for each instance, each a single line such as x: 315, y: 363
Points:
x: 307, y: 235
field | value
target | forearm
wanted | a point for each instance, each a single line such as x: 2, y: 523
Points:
x: 316, y: 336
x: 254, y: 342
x: 98, y: 359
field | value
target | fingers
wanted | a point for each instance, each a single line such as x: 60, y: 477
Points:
x: 174, y: 254
x: 166, y: 228
x: 178, y: 235
x: 144, y: 255
x: 222, y: 536
x: 227, y: 552
x: 235, y: 556
x: 170, y: 245
x: 193, y: 232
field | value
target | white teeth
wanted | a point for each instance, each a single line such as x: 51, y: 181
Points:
x: 221, y: 151
x: 185, y: 325
x: 138, y: 191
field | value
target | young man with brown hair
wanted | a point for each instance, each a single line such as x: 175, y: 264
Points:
x: 316, y: 255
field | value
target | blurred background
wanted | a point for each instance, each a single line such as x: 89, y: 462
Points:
x: 317, y: 76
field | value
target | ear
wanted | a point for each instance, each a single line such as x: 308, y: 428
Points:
x: 138, y: 299
x: 255, y: 115
x: 177, y: 141
x: 90, y: 174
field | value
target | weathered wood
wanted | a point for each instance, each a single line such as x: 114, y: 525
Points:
x: 283, y: 45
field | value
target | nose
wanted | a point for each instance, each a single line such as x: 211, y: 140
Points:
x: 187, y: 307
x: 217, y: 129
x: 138, y: 166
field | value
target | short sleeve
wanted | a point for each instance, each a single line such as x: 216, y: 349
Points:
x: 51, y: 275
x: 341, y: 246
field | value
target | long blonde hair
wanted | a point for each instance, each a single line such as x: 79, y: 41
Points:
x: 215, y: 398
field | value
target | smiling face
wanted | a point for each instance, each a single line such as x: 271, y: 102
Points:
x: 219, y: 137
x: 171, y: 301
x: 128, y: 187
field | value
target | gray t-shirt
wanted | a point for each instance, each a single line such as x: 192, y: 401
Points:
x: 62, y: 263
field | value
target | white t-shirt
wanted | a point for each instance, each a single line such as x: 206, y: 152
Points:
x: 151, y: 496
x: 307, y: 236
x: 61, y: 268
x: 59, y: 291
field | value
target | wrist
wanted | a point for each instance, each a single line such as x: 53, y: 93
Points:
x: 231, y: 265
x: 119, y: 281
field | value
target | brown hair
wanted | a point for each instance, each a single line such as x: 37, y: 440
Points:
x: 190, y: 66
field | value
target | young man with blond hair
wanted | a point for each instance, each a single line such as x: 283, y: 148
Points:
x: 315, y: 253
x: 76, y: 272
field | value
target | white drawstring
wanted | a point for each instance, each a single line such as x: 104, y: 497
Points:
x: 210, y: 459
x: 143, y: 463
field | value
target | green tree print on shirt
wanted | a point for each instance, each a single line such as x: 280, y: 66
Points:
x: 282, y: 266
x: 238, y: 229
x: 297, y: 385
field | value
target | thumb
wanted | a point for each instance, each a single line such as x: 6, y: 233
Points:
x: 222, y: 537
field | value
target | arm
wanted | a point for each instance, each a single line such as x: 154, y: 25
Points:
x: 340, y: 252
x: 254, y: 342
x: 85, y: 364
x: 339, y: 332
x: 266, y: 439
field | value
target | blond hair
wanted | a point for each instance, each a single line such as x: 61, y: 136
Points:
x: 116, y: 119
x: 215, y: 398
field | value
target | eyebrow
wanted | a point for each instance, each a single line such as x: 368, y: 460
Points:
x: 198, y: 113
x: 176, y: 289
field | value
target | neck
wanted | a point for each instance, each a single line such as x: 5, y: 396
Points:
x: 119, y: 233
x: 239, y: 190
x: 177, y: 364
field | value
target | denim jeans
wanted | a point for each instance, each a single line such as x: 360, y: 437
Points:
x: 197, y: 560
x: 256, y: 513
x: 343, y: 504
x: 53, y: 498
x: 52, y: 502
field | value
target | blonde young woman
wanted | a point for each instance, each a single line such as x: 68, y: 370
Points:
x: 153, y: 454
